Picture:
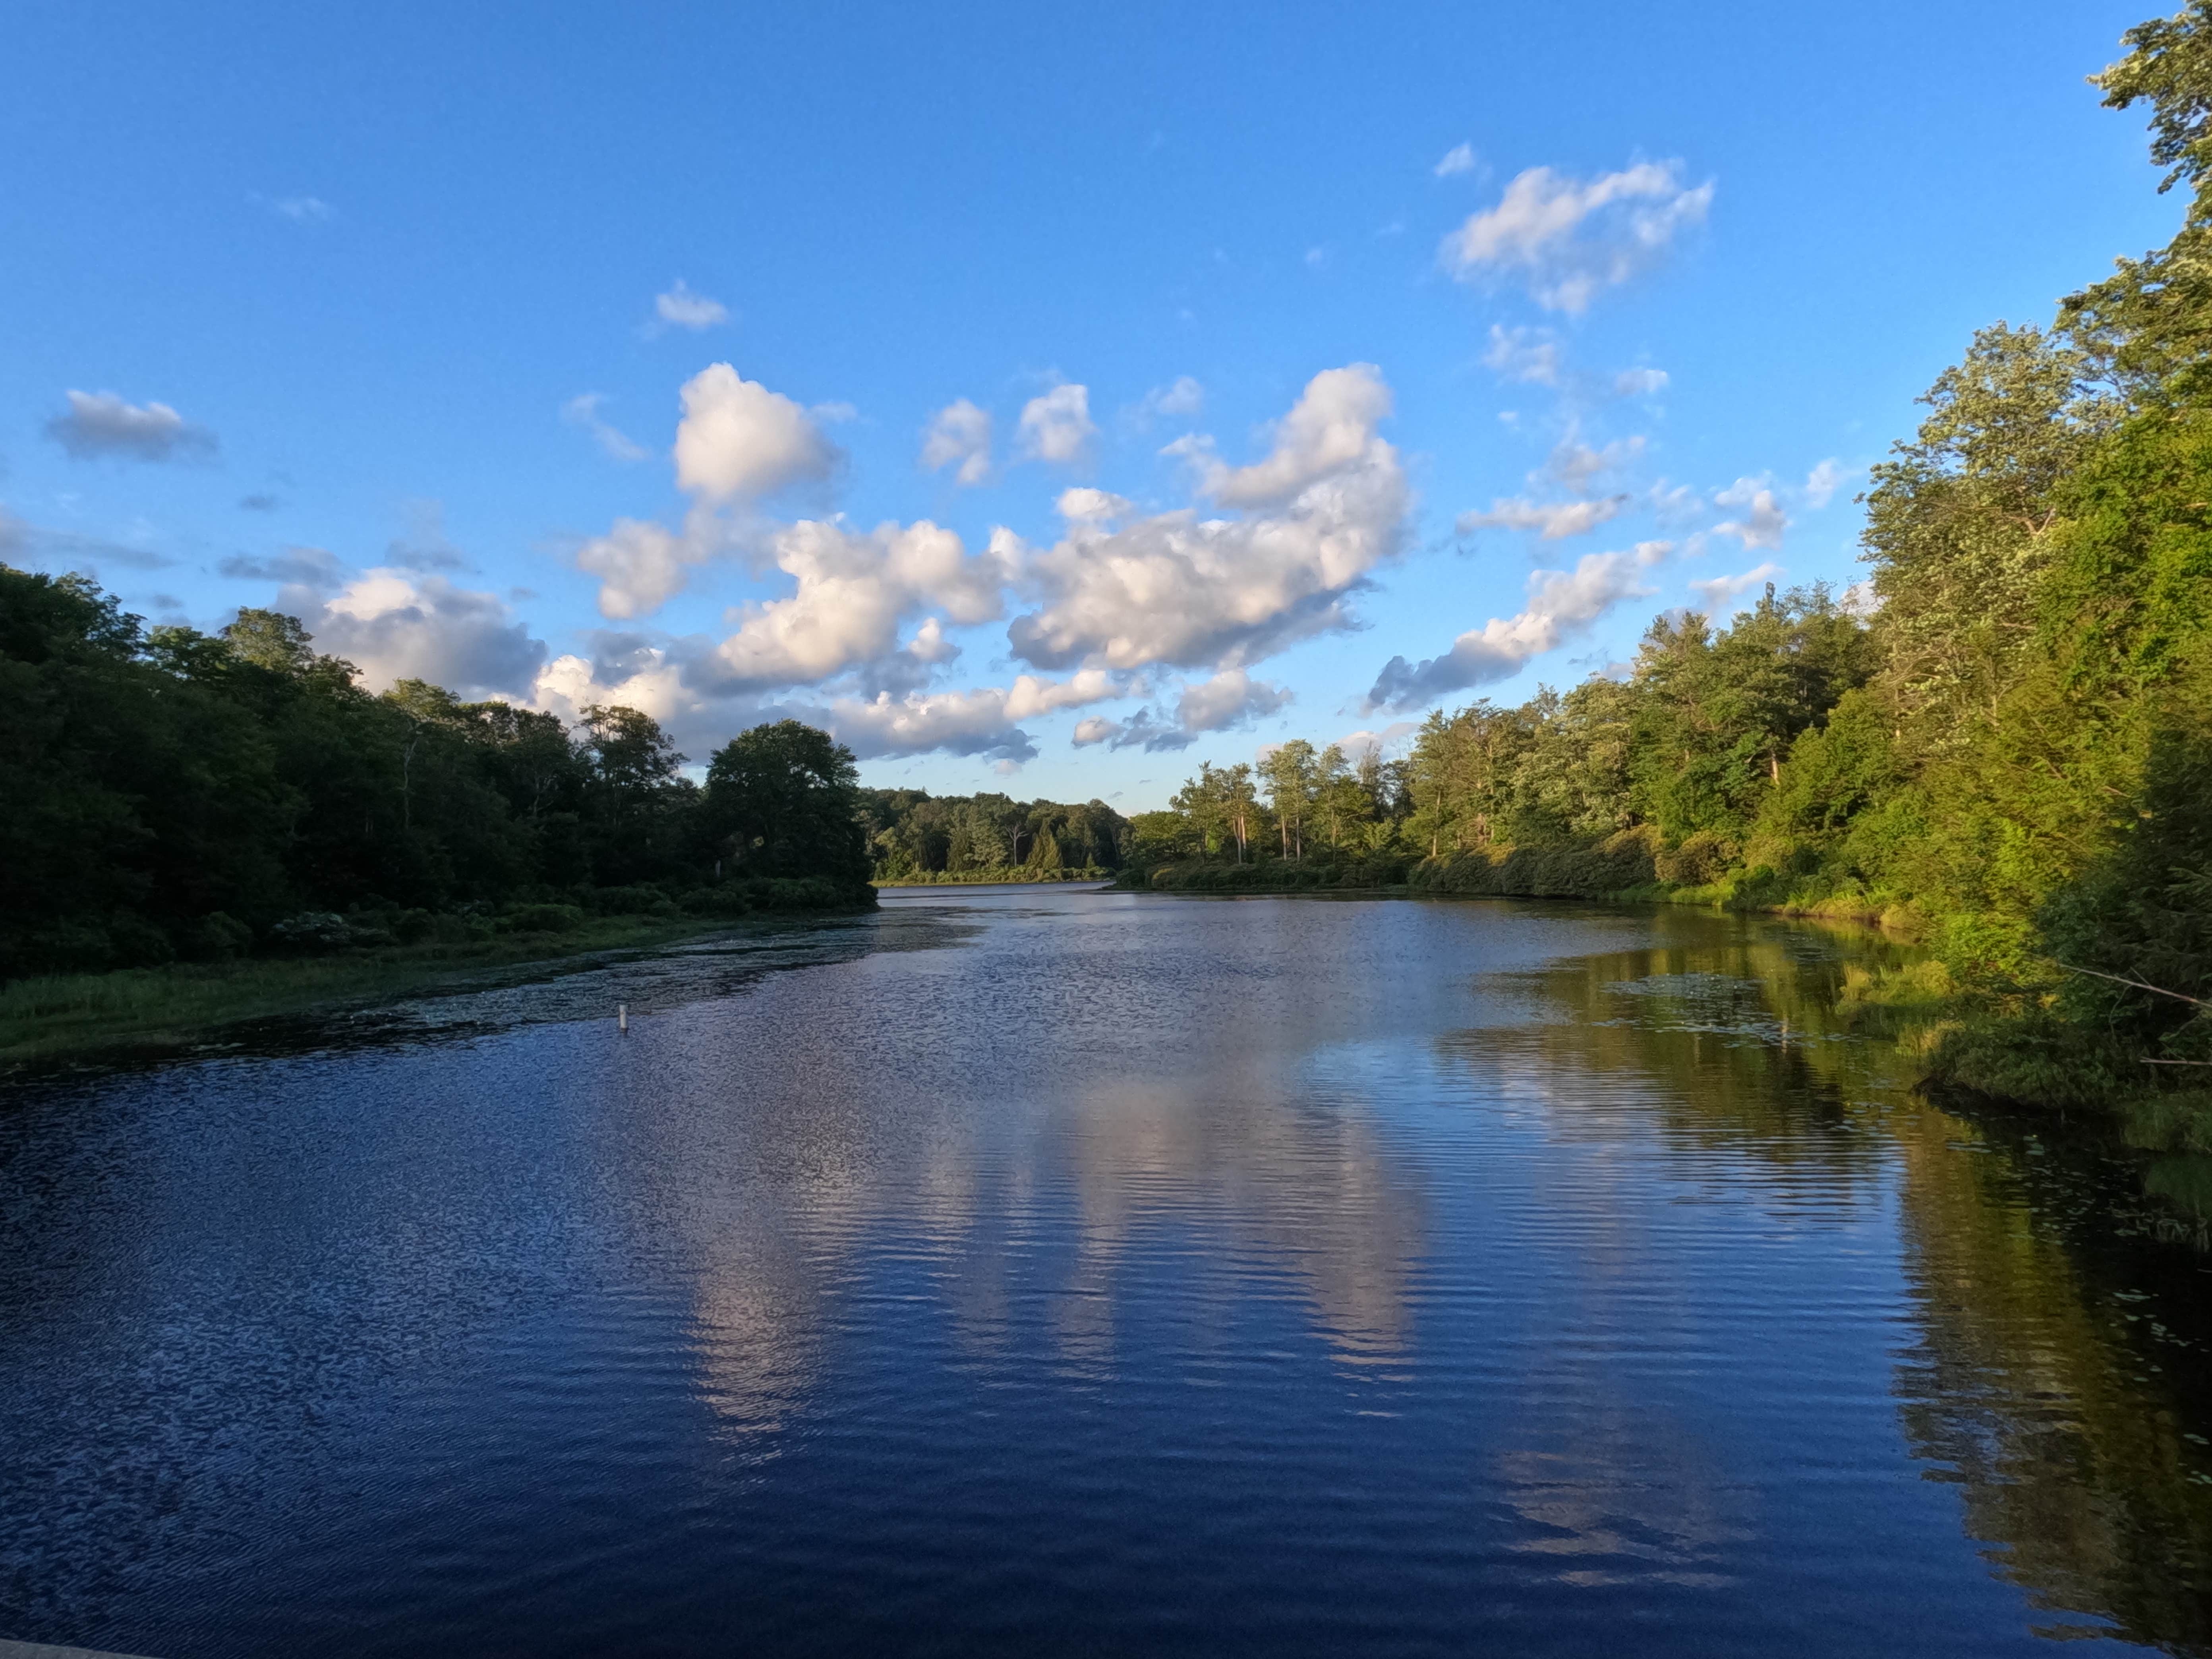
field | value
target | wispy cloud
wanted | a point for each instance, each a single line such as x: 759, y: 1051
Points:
x: 71, y: 548
x: 583, y: 410
x: 1763, y: 522
x: 300, y: 209
x: 681, y: 307
x: 1569, y: 238
x: 958, y: 436
x: 1822, y: 483
x: 1717, y: 591
x: 1460, y: 158
x: 1552, y: 521
x: 1530, y: 356
x: 309, y: 568
x: 1561, y: 603
x: 99, y: 425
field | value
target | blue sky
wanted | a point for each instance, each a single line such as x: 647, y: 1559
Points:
x: 977, y: 381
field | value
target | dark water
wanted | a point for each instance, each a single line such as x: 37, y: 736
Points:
x: 1062, y: 1272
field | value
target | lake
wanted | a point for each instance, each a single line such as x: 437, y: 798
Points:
x: 1063, y: 1270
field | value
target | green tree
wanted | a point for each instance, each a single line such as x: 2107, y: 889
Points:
x: 1291, y: 773
x: 783, y: 801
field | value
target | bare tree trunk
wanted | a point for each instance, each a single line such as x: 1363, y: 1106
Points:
x: 406, y: 781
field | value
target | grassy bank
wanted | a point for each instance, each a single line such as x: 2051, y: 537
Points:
x: 57, y: 1017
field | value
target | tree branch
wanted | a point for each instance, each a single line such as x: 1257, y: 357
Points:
x: 2121, y: 979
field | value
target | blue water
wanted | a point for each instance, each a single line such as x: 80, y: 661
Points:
x: 1056, y: 1271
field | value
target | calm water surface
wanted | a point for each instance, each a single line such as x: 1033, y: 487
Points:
x: 1057, y: 1271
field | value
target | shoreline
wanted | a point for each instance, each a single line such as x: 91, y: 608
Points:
x: 1104, y: 877
x: 141, y: 1013
x: 1886, y: 920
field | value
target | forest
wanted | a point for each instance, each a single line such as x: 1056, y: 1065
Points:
x: 913, y: 836
x: 2007, y: 751
x: 166, y: 794
x: 2002, y: 745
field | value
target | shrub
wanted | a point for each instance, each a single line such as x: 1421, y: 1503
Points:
x: 542, y: 918
x: 1701, y: 859
x: 220, y: 937
x: 313, y: 930
x: 628, y: 902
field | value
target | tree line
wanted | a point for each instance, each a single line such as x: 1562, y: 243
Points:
x: 2011, y: 752
x: 913, y: 835
x: 167, y: 793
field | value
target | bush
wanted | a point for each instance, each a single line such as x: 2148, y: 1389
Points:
x: 628, y: 902
x: 459, y: 930
x: 220, y: 937
x: 1322, y: 870
x: 750, y: 895
x: 542, y: 918
x: 313, y: 930
x: 1591, y: 869
x: 1701, y: 859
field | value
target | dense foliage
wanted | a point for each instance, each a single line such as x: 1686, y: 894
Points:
x: 914, y: 836
x: 170, y: 793
x: 2008, y: 749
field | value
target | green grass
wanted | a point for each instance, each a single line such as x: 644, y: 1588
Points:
x: 65, y: 1016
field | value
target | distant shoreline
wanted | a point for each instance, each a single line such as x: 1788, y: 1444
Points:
x: 1100, y: 878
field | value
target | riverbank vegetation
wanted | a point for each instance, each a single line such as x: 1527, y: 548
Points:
x: 2002, y: 743
x: 168, y: 797
x: 965, y: 840
x: 178, y: 1005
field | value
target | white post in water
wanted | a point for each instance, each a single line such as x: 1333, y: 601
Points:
x: 622, y: 1018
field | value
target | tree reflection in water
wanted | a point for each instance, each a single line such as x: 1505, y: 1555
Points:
x: 2056, y: 1370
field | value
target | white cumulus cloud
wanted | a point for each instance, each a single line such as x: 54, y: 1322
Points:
x: 641, y: 565
x: 852, y: 594
x: 396, y: 625
x: 984, y: 721
x: 1177, y: 589
x: 1084, y: 504
x: 1056, y: 426
x: 1568, y: 238
x: 1231, y: 698
x: 950, y: 722
x: 738, y: 441
x: 1330, y: 428
x: 958, y: 436
x: 1561, y: 603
